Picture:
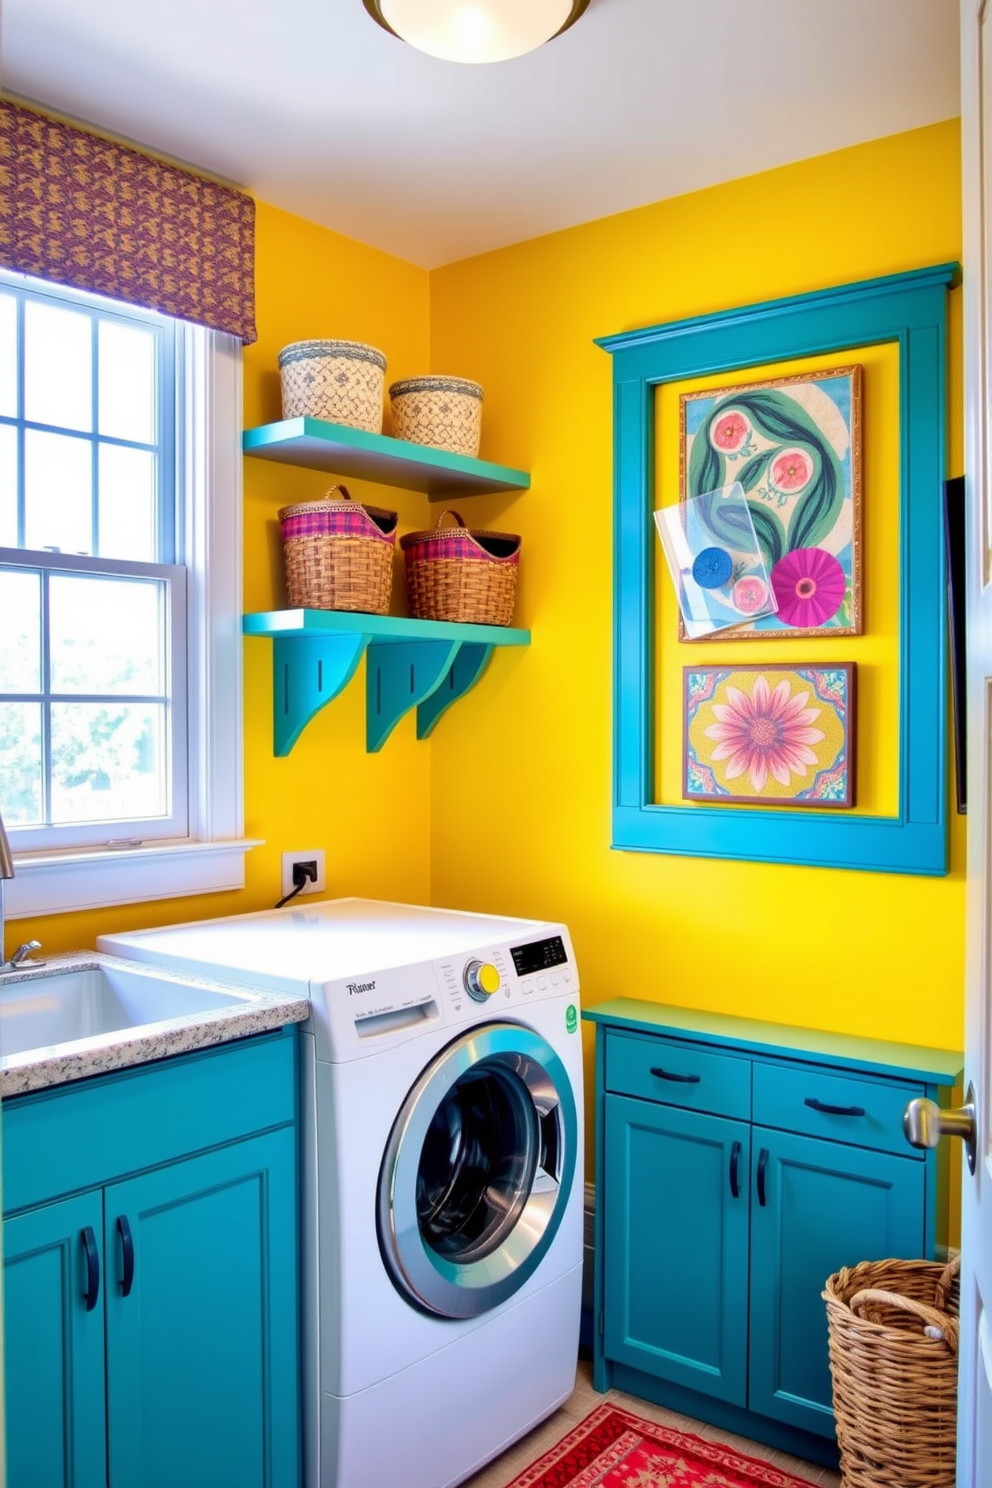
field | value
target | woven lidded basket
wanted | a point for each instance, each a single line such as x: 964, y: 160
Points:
x: 445, y: 412
x: 339, y: 554
x: 894, y: 1360
x: 340, y: 381
x: 455, y: 574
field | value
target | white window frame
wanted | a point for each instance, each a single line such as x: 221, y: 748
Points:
x: 211, y: 858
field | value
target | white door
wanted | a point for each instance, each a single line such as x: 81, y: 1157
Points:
x: 975, y: 1387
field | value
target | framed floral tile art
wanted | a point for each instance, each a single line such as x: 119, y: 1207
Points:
x: 794, y: 444
x: 770, y: 736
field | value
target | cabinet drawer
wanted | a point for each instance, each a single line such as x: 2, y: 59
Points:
x: 82, y: 1135
x: 866, y: 1113
x: 678, y: 1075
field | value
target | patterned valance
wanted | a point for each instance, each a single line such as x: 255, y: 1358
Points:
x: 80, y: 210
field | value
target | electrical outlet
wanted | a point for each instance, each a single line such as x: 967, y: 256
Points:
x: 314, y: 855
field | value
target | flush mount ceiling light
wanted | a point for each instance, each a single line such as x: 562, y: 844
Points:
x: 475, y: 30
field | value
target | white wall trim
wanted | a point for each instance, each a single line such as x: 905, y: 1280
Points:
x: 56, y: 883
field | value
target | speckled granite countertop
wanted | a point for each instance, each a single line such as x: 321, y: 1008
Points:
x: 251, y: 1011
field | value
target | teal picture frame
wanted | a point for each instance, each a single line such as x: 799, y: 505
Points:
x: 909, y: 309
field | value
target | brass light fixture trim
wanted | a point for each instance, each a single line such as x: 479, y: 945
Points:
x: 374, y: 8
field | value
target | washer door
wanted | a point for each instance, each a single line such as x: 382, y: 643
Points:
x: 477, y: 1171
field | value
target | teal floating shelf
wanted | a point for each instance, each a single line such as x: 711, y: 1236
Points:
x: 422, y: 664
x: 375, y: 457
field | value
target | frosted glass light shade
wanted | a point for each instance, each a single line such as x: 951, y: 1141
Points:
x: 475, y: 30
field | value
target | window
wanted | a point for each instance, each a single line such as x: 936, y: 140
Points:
x: 120, y: 662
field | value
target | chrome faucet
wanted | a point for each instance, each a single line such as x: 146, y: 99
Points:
x: 22, y: 954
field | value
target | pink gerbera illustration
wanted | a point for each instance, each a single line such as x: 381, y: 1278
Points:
x: 729, y: 433
x: 790, y: 470
x: 765, y: 734
x: 809, y: 585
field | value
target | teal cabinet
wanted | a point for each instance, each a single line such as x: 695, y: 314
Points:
x: 738, y: 1164
x: 54, y: 1346
x: 677, y: 1310
x: 181, y: 1364
x: 821, y: 1205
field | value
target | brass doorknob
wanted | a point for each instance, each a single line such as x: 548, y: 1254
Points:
x: 924, y: 1123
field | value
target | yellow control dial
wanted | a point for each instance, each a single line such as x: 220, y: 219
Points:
x: 481, y: 980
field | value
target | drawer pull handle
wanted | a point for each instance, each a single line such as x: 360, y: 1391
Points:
x: 682, y: 1079
x: 762, y: 1166
x: 92, y: 1255
x: 127, y: 1255
x: 818, y: 1105
x: 735, y: 1170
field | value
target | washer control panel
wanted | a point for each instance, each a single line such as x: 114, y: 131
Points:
x: 504, y: 976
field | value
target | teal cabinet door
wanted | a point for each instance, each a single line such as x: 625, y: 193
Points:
x: 201, y: 1321
x: 53, y: 1278
x: 816, y: 1206
x: 676, y: 1245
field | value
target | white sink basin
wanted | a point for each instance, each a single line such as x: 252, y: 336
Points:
x: 61, y: 1006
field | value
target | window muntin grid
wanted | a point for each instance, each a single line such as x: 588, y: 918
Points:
x: 88, y: 420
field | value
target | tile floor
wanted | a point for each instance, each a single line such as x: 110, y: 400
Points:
x: 584, y: 1399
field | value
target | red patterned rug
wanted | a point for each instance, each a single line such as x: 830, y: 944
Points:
x: 612, y: 1448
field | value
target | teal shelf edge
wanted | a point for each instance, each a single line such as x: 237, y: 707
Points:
x: 422, y: 664
x: 755, y: 1036
x: 340, y: 450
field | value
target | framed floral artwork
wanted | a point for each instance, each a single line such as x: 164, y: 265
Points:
x: 770, y: 736
x: 794, y: 444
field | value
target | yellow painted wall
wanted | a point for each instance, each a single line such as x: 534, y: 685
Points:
x: 369, y: 812
x: 522, y: 769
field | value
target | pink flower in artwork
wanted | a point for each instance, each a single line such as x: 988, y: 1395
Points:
x: 750, y: 594
x: 729, y: 433
x: 790, y: 470
x: 765, y: 734
x: 809, y: 585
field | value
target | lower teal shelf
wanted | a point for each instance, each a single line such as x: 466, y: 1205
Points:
x: 422, y: 664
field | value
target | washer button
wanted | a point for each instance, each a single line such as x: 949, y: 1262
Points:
x: 542, y: 982
x: 555, y: 978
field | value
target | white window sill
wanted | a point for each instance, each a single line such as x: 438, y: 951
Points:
x: 59, y: 882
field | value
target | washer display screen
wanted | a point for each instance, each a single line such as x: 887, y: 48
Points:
x: 539, y: 955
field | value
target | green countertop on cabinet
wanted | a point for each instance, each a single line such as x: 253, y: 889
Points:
x: 901, y: 1061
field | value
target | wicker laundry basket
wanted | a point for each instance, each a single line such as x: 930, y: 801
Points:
x: 340, y: 381
x: 456, y: 574
x: 445, y: 412
x: 338, y: 554
x: 894, y: 1360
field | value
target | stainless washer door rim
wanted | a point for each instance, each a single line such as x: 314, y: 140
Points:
x: 434, y: 1282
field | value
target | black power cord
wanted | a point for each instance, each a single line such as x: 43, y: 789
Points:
x: 303, y: 873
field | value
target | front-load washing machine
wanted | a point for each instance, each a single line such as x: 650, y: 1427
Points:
x: 442, y: 1162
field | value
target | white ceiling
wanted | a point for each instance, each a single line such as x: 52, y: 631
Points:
x: 310, y: 106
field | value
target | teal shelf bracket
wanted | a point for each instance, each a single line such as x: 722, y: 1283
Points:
x: 422, y: 664
x: 308, y: 671
x: 400, y: 675
x: 468, y: 666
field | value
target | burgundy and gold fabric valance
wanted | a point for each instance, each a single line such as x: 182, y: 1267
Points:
x: 83, y: 211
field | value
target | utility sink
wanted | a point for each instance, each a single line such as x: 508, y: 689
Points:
x: 66, y: 1004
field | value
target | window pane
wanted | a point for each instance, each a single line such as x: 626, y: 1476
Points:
x: 127, y: 382
x: 20, y: 764
x: 20, y: 627
x: 105, y: 634
x: 127, y: 503
x: 8, y: 355
x: 58, y: 484
x: 108, y: 761
x: 58, y: 366
x: 8, y: 486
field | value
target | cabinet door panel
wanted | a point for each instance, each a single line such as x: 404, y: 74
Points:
x: 207, y: 1334
x: 676, y: 1245
x: 826, y: 1206
x: 53, y: 1346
